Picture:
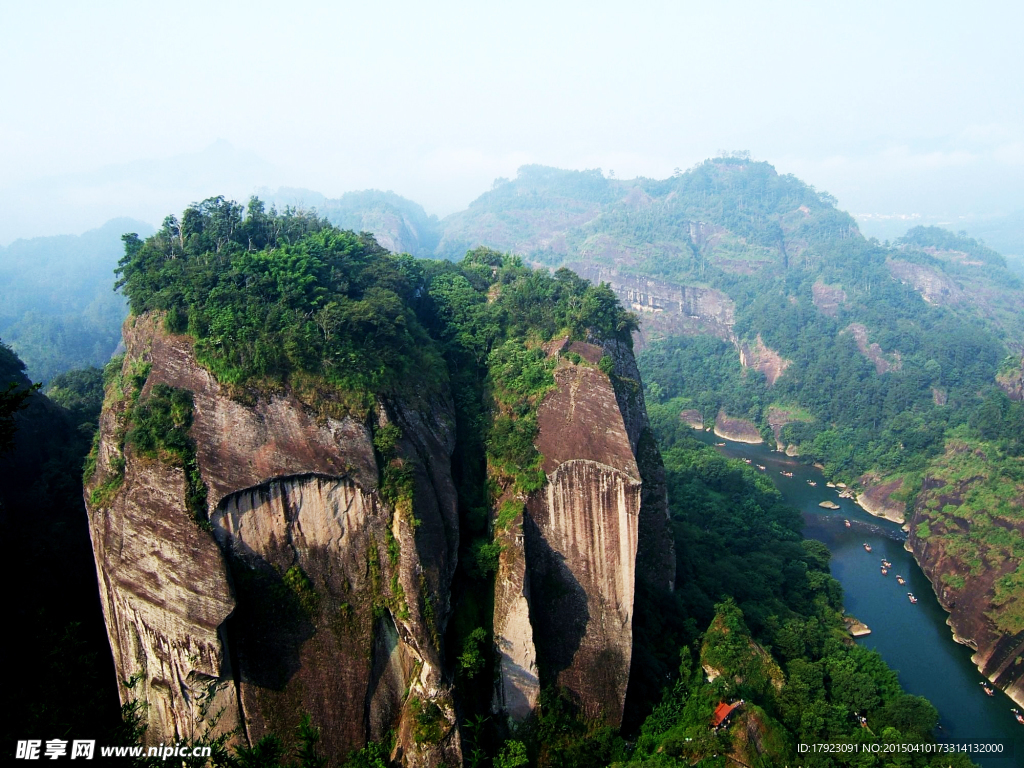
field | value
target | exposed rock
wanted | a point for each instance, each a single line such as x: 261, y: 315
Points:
x: 165, y: 596
x: 692, y: 418
x: 737, y: 430
x: 883, y: 362
x: 934, y: 286
x: 778, y: 417
x: 1012, y: 382
x: 877, y: 498
x: 939, y: 396
x: 764, y: 359
x: 828, y: 298
x: 856, y: 627
x: 828, y: 504
x: 666, y: 309
x: 300, y: 624
x: 568, y: 570
x: 998, y: 653
x: 517, y: 688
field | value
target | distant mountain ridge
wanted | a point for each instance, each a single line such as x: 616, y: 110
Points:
x: 59, y: 309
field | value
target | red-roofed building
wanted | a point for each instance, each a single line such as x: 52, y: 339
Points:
x: 723, y: 711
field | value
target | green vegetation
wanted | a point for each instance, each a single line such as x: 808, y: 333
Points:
x: 14, y: 393
x: 274, y: 299
x: 767, y: 618
x: 62, y: 683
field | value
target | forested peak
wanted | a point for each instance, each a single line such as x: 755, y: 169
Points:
x: 746, y: 181
x: 273, y: 298
x: 551, y: 183
x: 934, y: 239
x: 271, y: 295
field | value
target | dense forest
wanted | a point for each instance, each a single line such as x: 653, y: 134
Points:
x: 889, y: 353
x: 272, y: 301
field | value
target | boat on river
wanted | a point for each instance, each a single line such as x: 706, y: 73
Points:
x: 885, y: 571
x: 900, y: 579
x: 867, y: 547
x: 988, y: 689
x: 910, y: 596
x: 812, y: 483
x: 846, y: 523
x: 786, y: 474
x: 1018, y: 715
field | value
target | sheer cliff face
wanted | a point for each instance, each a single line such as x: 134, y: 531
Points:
x: 309, y: 594
x: 971, y: 603
x: 667, y: 309
x: 567, y: 575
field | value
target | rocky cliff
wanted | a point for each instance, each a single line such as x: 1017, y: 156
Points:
x: 1012, y: 382
x: 310, y: 589
x: 666, y: 309
x: 968, y: 557
x: 571, y: 558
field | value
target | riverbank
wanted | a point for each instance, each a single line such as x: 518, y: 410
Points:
x: 913, y: 638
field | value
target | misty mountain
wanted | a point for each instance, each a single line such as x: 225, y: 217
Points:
x: 59, y: 309
x: 399, y: 224
x: 143, y: 190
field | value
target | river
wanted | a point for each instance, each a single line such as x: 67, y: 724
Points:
x: 912, y: 638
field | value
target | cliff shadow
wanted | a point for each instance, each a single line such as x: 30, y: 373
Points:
x: 387, y: 680
x: 559, y: 613
x: 269, y: 625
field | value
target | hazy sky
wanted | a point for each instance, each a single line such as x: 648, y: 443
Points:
x: 890, y: 106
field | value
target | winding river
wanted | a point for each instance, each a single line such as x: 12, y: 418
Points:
x: 912, y: 638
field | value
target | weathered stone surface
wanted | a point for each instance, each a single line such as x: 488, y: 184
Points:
x: 877, y: 498
x: 883, y: 362
x: 997, y: 654
x: 692, y: 418
x: 165, y: 596
x: 763, y: 358
x: 656, y: 557
x: 303, y: 558
x: 299, y: 551
x: 828, y: 298
x: 240, y: 446
x: 568, y: 570
x: 737, y: 430
x: 666, y: 309
x: 581, y: 542
x: 518, y: 686
x: 933, y: 285
x: 1012, y: 383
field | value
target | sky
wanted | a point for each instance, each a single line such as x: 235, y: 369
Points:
x: 136, y: 109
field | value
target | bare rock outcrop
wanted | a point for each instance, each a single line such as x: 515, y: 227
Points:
x: 306, y: 593
x: 1012, y: 382
x: 572, y: 558
x: 736, y: 429
x: 965, y: 592
x: 933, y: 285
x: 667, y: 309
x: 828, y: 298
x: 761, y: 357
x: 876, y: 498
x: 883, y: 362
x: 692, y: 418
